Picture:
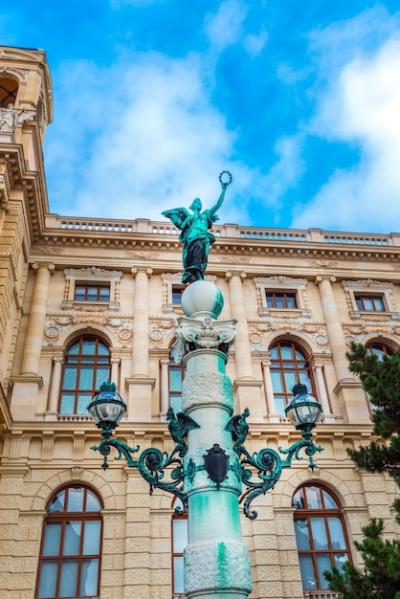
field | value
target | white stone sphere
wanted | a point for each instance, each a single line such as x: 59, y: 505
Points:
x: 202, y: 298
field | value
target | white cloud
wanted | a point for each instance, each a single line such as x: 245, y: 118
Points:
x: 224, y: 28
x: 361, y: 106
x: 255, y: 43
x: 143, y: 136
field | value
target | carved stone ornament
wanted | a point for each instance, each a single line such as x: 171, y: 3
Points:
x: 205, y: 570
x: 202, y: 388
x: 202, y: 334
x: 11, y: 118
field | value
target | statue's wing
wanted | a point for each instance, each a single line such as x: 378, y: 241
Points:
x: 177, y: 216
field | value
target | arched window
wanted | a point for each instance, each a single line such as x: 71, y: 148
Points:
x: 179, y: 540
x: 86, y: 367
x: 175, y: 380
x: 8, y: 92
x: 320, y: 534
x: 379, y: 349
x: 289, y: 366
x: 70, y: 553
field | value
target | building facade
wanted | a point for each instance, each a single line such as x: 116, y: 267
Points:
x: 83, y: 300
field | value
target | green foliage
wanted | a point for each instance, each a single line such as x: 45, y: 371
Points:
x: 381, y: 380
x: 380, y: 576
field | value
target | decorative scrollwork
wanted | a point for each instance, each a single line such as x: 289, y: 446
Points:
x: 267, y: 462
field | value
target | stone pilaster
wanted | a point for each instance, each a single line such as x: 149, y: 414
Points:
x: 140, y: 385
x: 26, y: 386
x: 248, y: 389
x: 349, y: 391
x: 55, y: 387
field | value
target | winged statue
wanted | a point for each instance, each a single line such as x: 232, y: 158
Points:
x: 195, y: 235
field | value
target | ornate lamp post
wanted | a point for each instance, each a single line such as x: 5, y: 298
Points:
x: 209, y: 465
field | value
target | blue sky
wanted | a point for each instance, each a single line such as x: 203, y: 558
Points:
x: 153, y: 98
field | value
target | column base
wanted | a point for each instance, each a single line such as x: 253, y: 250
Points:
x: 139, y: 398
x: 248, y: 393
x: 25, y: 396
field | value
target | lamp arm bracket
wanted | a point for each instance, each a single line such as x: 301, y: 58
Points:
x: 152, y: 465
x: 262, y: 470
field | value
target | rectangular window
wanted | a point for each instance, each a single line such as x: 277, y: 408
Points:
x: 92, y: 292
x: 177, y: 291
x: 370, y: 303
x: 284, y: 300
x: 175, y: 387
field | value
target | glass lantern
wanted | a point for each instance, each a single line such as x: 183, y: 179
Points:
x: 304, y: 410
x: 107, y: 407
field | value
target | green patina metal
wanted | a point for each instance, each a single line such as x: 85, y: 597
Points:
x: 195, y: 233
x: 153, y: 463
x: 267, y: 462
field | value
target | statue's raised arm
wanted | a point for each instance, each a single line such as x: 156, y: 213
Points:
x: 196, y: 236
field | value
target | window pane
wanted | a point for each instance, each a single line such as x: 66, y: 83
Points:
x: 178, y: 575
x: 313, y: 498
x: 359, y: 304
x: 270, y: 302
x: 102, y: 374
x: 69, y: 575
x: 319, y: 533
x: 175, y: 401
x: 276, y: 381
x: 83, y: 402
x: 91, y: 539
x: 305, y: 380
x: 69, y: 377
x: 67, y: 404
x: 57, y: 505
x: 104, y: 293
x: 48, y: 578
x: 79, y: 293
x: 324, y: 565
x: 298, y: 499
x: 330, y: 503
x: 86, y: 377
x: 368, y: 305
x: 102, y: 349
x: 302, y: 535
x: 279, y: 301
x: 336, y: 533
x: 274, y: 353
x: 92, y: 294
x: 379, y: 307
x: 299, y: 355
x: 74, y: 349
x: 290, y: 380
x: 180, y: 534
x: 286, y: 352
x: 340, y: 560
x: 175, y: 379
x: 307, y: 572
x: 75, y: 500
x: 51, y: 545
x: 72, y: 538
x: 89, y: 577
x: 280, y: 404
x: 88, y: 346
x: 92, y: 503
x: 291, y: 301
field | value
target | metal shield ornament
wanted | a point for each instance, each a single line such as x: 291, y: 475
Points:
x: 216, y: 462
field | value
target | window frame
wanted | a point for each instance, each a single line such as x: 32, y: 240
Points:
x: 177, y: 287
x: 10, y: 95
x: 362, y: 296
x: 98, y: 285
x: 285, y: 293
x: 63, y: 517
x: 324, y: 513
x: 94, y: 364
x: 173, y: 366
x: 287, y: 393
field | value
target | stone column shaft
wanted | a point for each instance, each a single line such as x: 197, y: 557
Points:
x: 140, y: 356
x: 55, y: 384
x: 37, y: 316
x: 269, y: 391
x: 335, y: 332
x: 322, y: 394
x: 115, y: 362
